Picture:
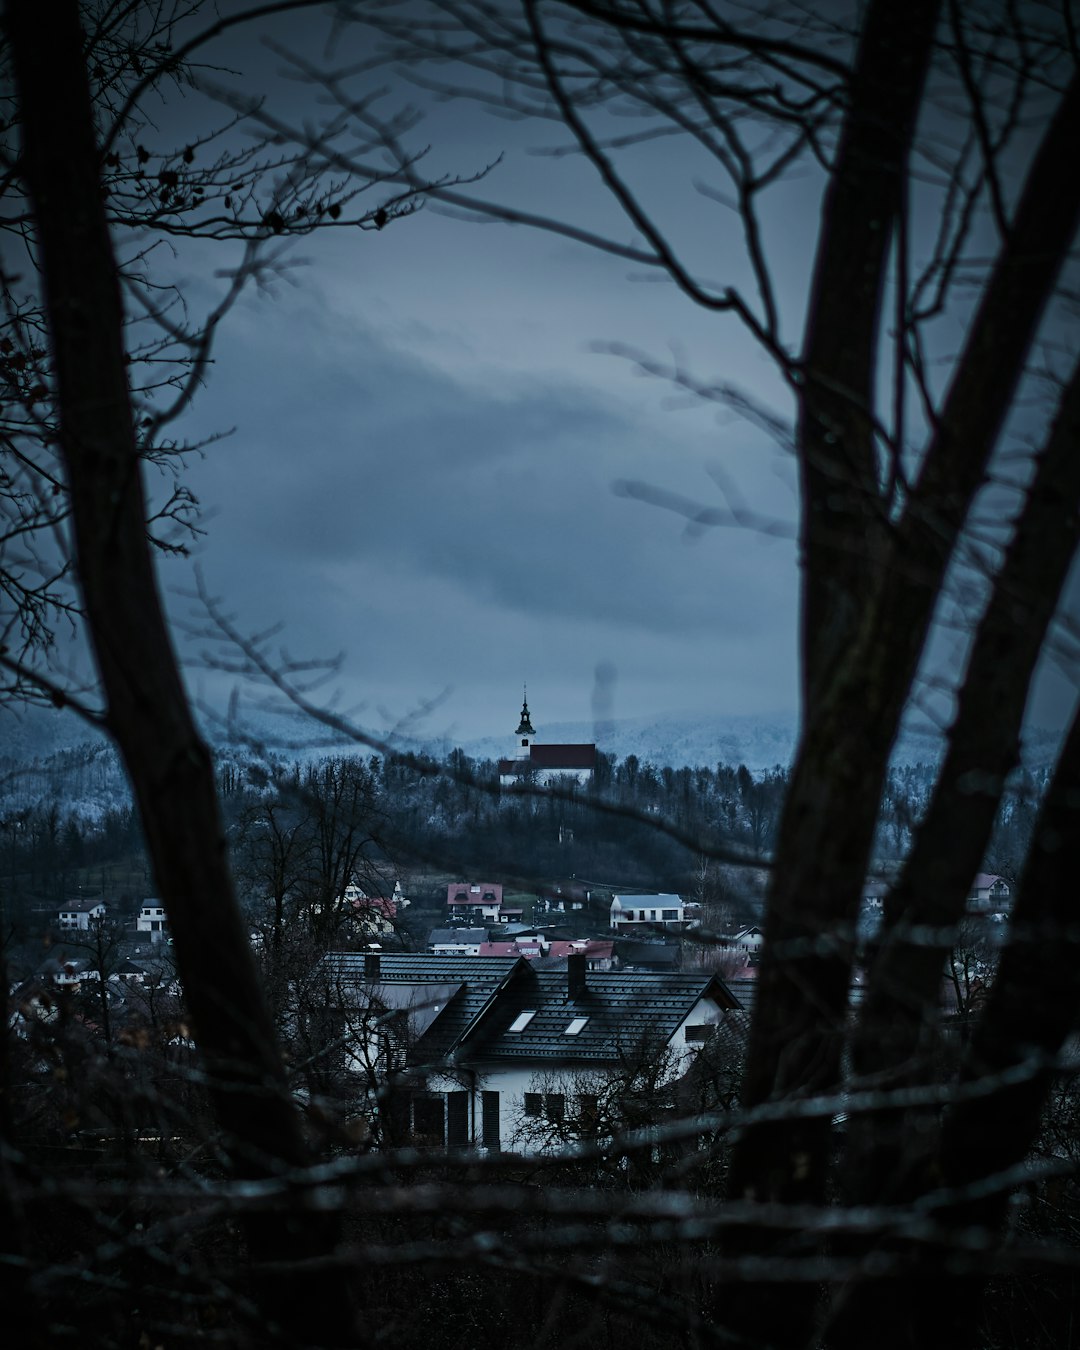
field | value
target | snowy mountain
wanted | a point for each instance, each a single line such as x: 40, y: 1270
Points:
x: 47, y: 755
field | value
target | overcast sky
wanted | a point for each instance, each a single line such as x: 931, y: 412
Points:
x: 424, y: 456
x: 426, y: 440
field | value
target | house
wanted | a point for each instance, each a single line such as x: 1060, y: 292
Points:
x: 531, y: 948
x: 546, y: 765
x: 79, y: 914
x: 562, y: 899
x: 598, y: 955
x: 647, y: 911
x: 375, y: 915
x: 474, y: 903
x: 989, y: 893
x: 456, y: 941
x: 489, y: 1042
x: 152, y: 920
x: 534, y: 946
x: 749, y: 940
x: 67, y: 972
x: 129, y: 972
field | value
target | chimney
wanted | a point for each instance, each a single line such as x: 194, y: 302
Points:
x: 371, y: 967
x: 576, y: 967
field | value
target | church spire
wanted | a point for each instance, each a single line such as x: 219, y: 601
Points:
x: 525, y: 726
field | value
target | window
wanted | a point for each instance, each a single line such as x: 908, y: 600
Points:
x: 575, y: 1026
x: 588, y: 1105
x: 522, y: 1020
x: 550, y: 1104
x: 700, y: 1033
x: 670, y: 914
x: 460, y: 896
x: 490, y: 1109
x: 457, y: 1119
x: 428, y: 1115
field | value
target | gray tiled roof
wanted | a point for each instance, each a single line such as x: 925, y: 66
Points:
x: 479, y: 981
x: 621, y: 1009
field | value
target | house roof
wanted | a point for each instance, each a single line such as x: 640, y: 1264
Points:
x: 469, y: 936
x: 53, y: 966
x: 614, y: 1010
x: 650, y: 900
x: 478, y: 983
x: 558, y: 949
x: 488, y: 996
x: 984, y: 880
x: 81, y: 905
x: 551, y: 757
x: 562, y: 756
x: 530, y: 950
x: 474, y: 893
x: 376, y: 904
x: 662, y: 955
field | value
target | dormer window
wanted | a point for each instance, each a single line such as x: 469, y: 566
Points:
x: 522, y: 1020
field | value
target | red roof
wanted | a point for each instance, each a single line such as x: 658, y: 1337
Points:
x: 600, y: 950
x: 500, y: 949
x: 473, y: 893
x: 376, y: 905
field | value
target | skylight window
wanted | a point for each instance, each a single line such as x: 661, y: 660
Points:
x: 522, y: 1020
x: 575, y: 1026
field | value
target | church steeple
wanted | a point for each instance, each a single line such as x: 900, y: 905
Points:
x: 525, y: 726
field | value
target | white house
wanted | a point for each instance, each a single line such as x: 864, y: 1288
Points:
x: 471, y: 903
x: 67, y: 972
x: 456, y: 941
x: 989, y: 893
x: 749, y: 940
x: 496, y: 1045
x: 647, y: 911
x: 80, y: 913
x: 152, y: 920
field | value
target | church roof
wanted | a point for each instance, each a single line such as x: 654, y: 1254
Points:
x: 562, y: 756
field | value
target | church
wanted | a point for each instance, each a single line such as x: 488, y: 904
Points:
x: 545, y: 765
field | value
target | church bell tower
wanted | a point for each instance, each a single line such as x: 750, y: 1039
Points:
x: 525, y: 727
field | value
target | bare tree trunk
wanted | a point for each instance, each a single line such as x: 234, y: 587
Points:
x: 870, y: 585
x: 852, y: 694
x: 898, y: 1025
x: 147, y: 710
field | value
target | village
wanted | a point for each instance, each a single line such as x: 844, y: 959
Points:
x: 485, y: 1016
